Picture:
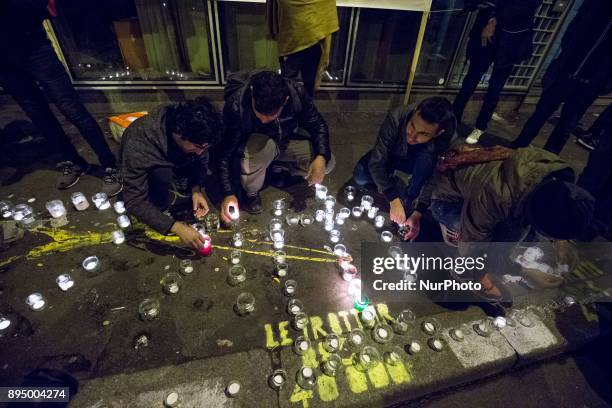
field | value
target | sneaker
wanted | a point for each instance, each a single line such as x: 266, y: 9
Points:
x: 111, y: 182
x: 474, y: 136
x: 71, y: 173
x: 253, y: 204
x: 587, y: 141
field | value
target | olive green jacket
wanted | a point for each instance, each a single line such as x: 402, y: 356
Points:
x: 494, y: 191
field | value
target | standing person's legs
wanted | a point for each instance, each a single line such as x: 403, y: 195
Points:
x: 478, y: 66
x: 304, y: 62
x: 45, y: 67
x: 496, y: 84
x: 549, y: 101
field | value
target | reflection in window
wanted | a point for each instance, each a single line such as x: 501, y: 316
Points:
x: 384, y: 46
x: 136, y: 40
x: 442, y: 36
x: 244, y: 37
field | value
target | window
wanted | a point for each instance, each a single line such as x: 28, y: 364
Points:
x: 136, y: 40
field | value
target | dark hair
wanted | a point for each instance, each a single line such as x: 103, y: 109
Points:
x: 197, y: 121
x: 436, y: 110
x: 269, y: 91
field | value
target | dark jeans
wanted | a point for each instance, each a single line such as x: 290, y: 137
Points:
x: 164, y: 184
x: 478, y: 66
x: 420, y: 165
x: 306, y: 63
x: 576, y: 98
x: 43, y: 66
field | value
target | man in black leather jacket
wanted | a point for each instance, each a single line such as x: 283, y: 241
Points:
x: 410, y: 140
x: 269, y: 119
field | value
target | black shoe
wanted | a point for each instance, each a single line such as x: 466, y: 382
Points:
x: 71, y: 173
x: 112, y: 182
x: 252, y: 204
x: 587, y: 141
x: 278, y: 179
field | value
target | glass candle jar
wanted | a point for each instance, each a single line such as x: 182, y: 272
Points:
x: 277, y: 379
x: 282, y: 269
x: 91, y: 263
x: 379, y: 221
x: 277, y: 235
x: 331, y: 343
x: 339, y: 220
x: 207, y: 246
x: 101, y: 202
x: 484, y: 327
x: 238, y: 239
x: 186, y: 267
x: 119, y: 207
x: 295, y: 306
x: 329, y: 226
x: 279, y: 257
x: 306, y: 220
x: 171, y: 283
x: 340, y: 250
x: 319, y: 215
x: 301, y: 345
x: 79, y: 201
x: 292, y: 219
x: 5, y: 323
x: 64, y: 282
x: 356, y: 339
x: 275, y: 224
x: 329, y: 215
x: 211, y: 220
x: 300, y: 321
x: 357, y: 211
x: 320, y: 192
x: 56, y: 208
x: 36, y: 302
x: 330, y: 202
x: 278, y: 244
x: 123, y: 221
x: 6, y: 210
x: 24, y: 215
x: 403, y: 321
x: 245, y: 304
x: 148, y: 310
x: 368, y: 317
x: 344, y: 212
x: 306, y: 378
x: 430, y: 326
x: 372, y: 212
x: 334, y: 236
x: 118, y: 237
x: 367, y: 202
x: 236, y: 275
x: 332, y: 365
x: 235, y: 257
x: 349, y: 271
x: 393, y: 357
x: 289, y: 287
x: 382, y: 333
x: 350, y: 192
x: 367, y: 358
x: 277, y: 207
x: 386, y: 236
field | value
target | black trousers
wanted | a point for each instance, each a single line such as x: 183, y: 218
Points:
x: 43, y: 66
x: 306, y: 63
x: 478, y: 66
x: 576, y: 97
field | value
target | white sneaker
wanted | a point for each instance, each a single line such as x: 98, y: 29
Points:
x: 474, y: 136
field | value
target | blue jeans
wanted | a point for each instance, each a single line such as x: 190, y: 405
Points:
x: 420, y: 165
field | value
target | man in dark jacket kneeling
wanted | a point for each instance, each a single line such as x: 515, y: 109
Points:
x: 269, y: 119
x: 164, y: 154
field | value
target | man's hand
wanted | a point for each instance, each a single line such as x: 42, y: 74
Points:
x: 229, y: 201
x: 486, y: 36
x: 188, y: 235
x: 200, y: 205
x: 414, y: 224
x: 316, y: 171
x: 397, y: 213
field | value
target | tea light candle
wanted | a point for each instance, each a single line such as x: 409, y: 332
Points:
x: 340, y: 250
x: 306, y: 220
x: 331, y: 365
x: 36, y: 302
x: 349, y: 193
x: 207, y: 247
x: 306, y: 378
x: 428, y: 327
x: 236, y: 275
x: 300, y: 321
x: 119, y: 207
x: 294, y: 307
x: 91, y: 263
x: 235, y: 257
x: 357, y: 211
x: 4, y: 324
x: 277, y: 235
x: 279, y: 244
x: 278, y: 206
x: 275, y: 224
x: 344, y: 212
x: 279, y: 256
x: 379, y: 221
x: 393, y: 357
x: 372, y: 211
x: 339, y: 219
x: 319, y: 215
x: 386, y: 236
x: 56, y: 208
x: 500, y: 322
x: 292, y: 219
x: 330, y: 202
x: 329, y: 226
x: 186, y: 266
x: 6, y: 209
x: 118, y: 237
x: 123, y: 221
x: 277, y: 379
x: 301, y: 345
x: 356, y: 338
x: 171, y: 283
x: 232, y: 389
x: 382, y: 333
x: 79, y: 201
x: 64, y: 282
x: 367, y: 202
x: 320, y: 192
x: 289, y: 287
x: 334, y: 236
x: 367, y: 317
x: 148, y: 309
x: 212, y: 221
x: 457, y: 334
x: 172, y: 400
x: 101, y: 202
x: 331, y: 343
x: 414, y: 347
x: 238, y: 239
x: 436, y: 344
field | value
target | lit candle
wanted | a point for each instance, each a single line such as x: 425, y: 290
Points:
x: 292, y: 219
x: 334, y: 236
x: 319, y: 215
x: 289, y: 287
x: 320, y: 192
x: 300, y: 321
x: 349, y: 192
x: 344, y: 212
x: 386, y: 236
x: 301, y: 345
x: 294, y: 307
x: 123, y: 221
x: 186, y: 266
x: 36, y: 302
x: 278, y: 206
x: 238, y: 239
x: 118, y: 237
x: 306, y: 220
x: 119, y: 207
x: 349, y: 271
x: 56, y: 208
x: 340, y: 250
x: 367, y: 202
x: 79, y: 201
x: 64, y: 282
x: 382, y: 333
x: 279, y: 244
x: 207, y: 247
x: 171, y: 283
x: 6, y: 209
x: 372, y: 211
x: 330, y: 202
x: 357, y: 211
x: 277, y: 379
x: 329, y: 226
x: 101, y: 202
x: 367, y: 317
x: 91, y: 263
x: 339, y: 219
x: 500, y: 322
x: 4, y: 324
x: 282, y: 269
x: 279, y: 256
x: 275, y: 224
x: 235, y: 257
x: 379, y: 221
